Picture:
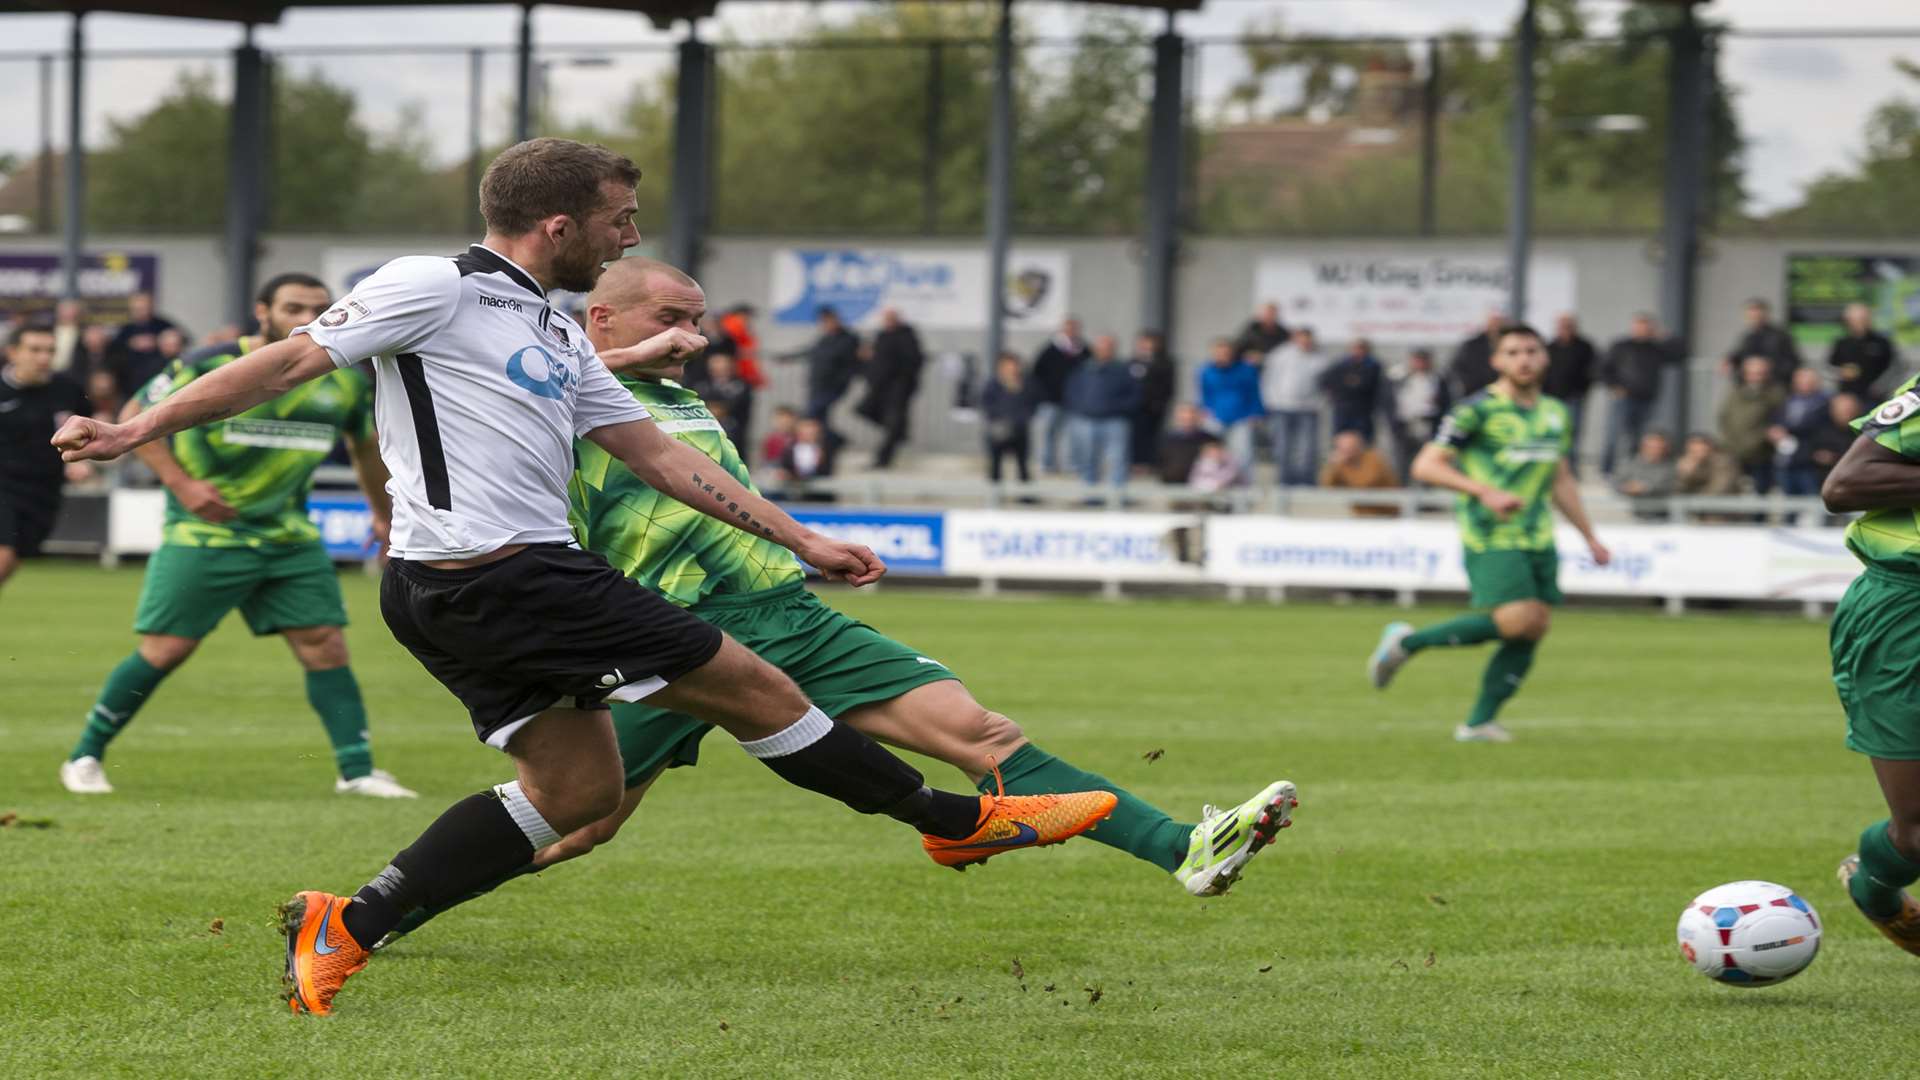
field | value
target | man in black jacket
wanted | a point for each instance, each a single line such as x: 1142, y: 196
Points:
x: 1862, y: 355
x: 1633, y: 371
x: 893, y: 378
x: 34, y: 401
x: 1263, y: 333
x: 1156, y: 373
x: 831, y: 360
x: 1064, y: 352
x: 1763, y: 337
x: 1472, y: 366
x: 1571, y: 362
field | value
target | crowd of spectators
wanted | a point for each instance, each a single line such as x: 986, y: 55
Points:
x: 111, y: 357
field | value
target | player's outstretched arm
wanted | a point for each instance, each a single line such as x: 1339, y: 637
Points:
x: 1871, y: 477
x: 261, y: 375
x: 1566, y: 498
x: 670, y: 466
x: 201, y: 498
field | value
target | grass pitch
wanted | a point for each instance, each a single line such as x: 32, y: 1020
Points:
x: 1438, y: 910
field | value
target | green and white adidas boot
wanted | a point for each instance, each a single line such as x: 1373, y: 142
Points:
x: 1225, y: 840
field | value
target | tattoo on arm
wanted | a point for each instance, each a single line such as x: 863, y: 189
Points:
x: 731, y: 502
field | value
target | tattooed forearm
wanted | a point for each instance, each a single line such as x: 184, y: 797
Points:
x: 721, y: 497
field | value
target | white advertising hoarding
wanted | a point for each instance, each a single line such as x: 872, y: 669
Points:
x: 1066, y: 546
x: 936, y: 289
x: 1733, y: 562
x: 1430, y: 300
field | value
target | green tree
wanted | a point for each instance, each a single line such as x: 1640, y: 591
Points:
x: 1880, y: 194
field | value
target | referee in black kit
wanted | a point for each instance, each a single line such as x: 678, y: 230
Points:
x: 482, y: 387
x: 34, y: 401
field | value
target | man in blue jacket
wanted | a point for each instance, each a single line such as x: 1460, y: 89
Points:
x: 1101, y: 396
x: 1230, y: 391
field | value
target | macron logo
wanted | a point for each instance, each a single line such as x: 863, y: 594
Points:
x: 494, y: 301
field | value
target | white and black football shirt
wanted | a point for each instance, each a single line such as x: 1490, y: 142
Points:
x: 482, y: 388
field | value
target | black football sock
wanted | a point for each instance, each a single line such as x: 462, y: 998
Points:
x: 478, y: 840
x: 824, y: 755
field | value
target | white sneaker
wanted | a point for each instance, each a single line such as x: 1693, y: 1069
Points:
x: 1389, y: 654
x: 1227, y: 838
x: 84, y: 776
x: 378, y: 784
x: 1487, y: 732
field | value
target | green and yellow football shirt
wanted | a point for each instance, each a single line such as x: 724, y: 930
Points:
x: 662, y: 543
x: 1891, y: 537
x: 262, y: 461
x: 1517, y: 449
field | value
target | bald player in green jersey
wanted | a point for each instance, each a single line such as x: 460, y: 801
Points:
x: 237, y: 534
x: 755, y: 591
x: 1876, y: 654
x: 1505, y: 451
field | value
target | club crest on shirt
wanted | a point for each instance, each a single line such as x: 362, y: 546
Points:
x: 1898, y: 409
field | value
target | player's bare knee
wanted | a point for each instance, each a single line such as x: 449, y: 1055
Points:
x: 319, y: 648
x: 166, y: 652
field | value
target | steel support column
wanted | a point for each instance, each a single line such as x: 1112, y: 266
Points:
x: 999, y: 183
x: 74, y: 210
x: 523, y: 78
x: 1520, y: 186
x: 43, y: 216
x: 476, y: 82
x: 690, y: 187
x: 1689, y: 62
x: 246, y: 177
x: 1166, y: 159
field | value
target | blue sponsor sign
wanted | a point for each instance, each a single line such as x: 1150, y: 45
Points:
x: 907, y: 542
x: 345, y: 524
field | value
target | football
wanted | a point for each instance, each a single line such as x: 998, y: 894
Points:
x: 1749, y: 933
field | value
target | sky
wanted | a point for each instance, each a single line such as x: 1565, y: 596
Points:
x: 1803, y: 103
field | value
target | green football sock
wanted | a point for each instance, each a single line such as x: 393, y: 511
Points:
x: 1883, y: 873
x: 335, y: 695
x: 1504, y: 671
x: 420, y: 916
x: 1465, y: 630
x: 1135, y: 827
x: 128, y: 687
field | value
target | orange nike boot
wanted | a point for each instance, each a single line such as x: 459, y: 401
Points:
x: 320, y: 952
x: 1009, y: 822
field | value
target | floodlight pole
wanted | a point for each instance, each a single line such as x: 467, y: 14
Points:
x: 999, y: 183
x: 1689, y: 62
x: 74, y: 213
x: 690, y: 185
x: 246, y: 168
x: 1520, y: 186
x: 45, y: 215
x: 523, y: 78
x: 1166, y: 161
x: 476, y: 70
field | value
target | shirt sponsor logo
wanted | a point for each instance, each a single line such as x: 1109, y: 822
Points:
x: 497, y: 302
x: 1898, y: 409
x: 281, y: 435
x: 535, y: 370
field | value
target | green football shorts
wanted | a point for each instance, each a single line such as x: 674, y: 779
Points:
x: 279, y: 587
x: 1876, y: 663
x: 1503, y: 577
x: 839, y: 662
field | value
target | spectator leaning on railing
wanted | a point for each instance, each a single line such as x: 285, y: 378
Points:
x: 1290, y: 390
x: 1705, y: 469
x: 1230, y: 392
x: 1649, y: 474
x: 1745, y: 416
x: 1862, y: 356
x: 1181, y: 445
x: 1006, y: 407
x: 1101, y: 397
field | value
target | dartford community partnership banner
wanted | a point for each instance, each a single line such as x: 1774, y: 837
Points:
x: 1819, y: 288
x: 1432, y: 300
x: 933, y: 288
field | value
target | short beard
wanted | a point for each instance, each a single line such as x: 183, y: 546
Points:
x: 577, y: 276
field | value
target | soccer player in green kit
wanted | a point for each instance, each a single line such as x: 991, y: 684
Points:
x: 1505, y: 451
x: 237, y: 535
x: 755, y: 591
x: 1876, y: 654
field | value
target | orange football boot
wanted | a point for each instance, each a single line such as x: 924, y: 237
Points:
x: 1008, y: 822
x: 320, y: 952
